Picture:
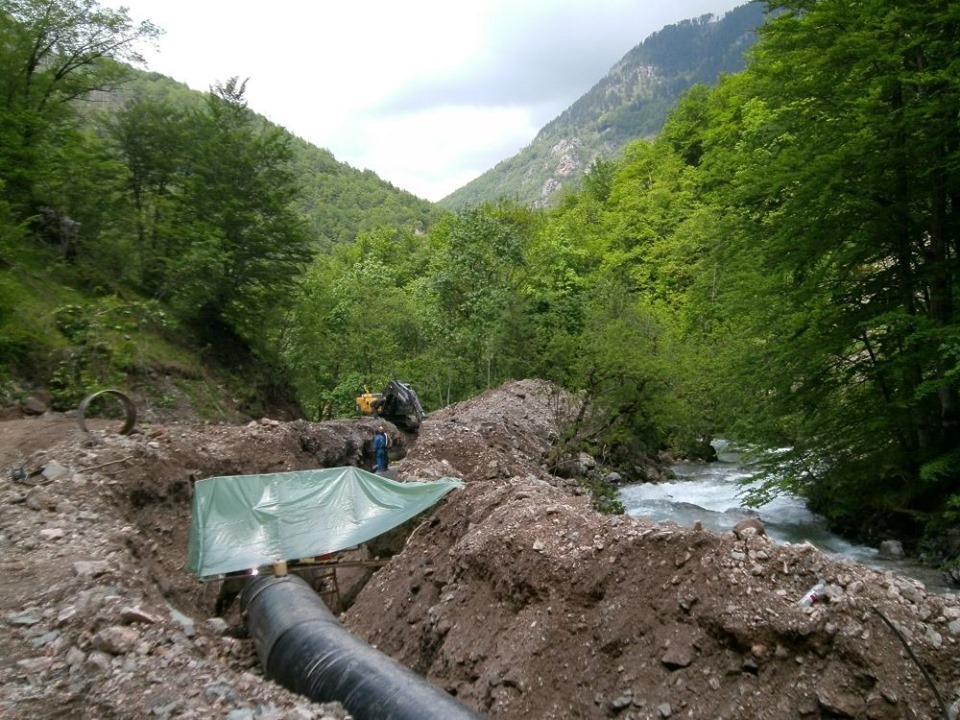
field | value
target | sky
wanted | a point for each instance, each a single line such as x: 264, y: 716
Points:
x: 428, y: 94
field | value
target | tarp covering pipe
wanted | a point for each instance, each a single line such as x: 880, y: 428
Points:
x: 302, y: 646
x: 242, y: 522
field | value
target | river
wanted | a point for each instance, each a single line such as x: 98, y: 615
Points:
x: 712, y: 493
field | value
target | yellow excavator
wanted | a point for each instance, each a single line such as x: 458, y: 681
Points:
x: 398, y: 403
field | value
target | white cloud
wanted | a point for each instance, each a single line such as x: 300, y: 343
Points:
x: 428, y: 93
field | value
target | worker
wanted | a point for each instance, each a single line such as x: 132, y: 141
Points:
x: 380, y: 444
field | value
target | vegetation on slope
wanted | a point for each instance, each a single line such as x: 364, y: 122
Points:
x: 149, y: 229
x: 631, y: 102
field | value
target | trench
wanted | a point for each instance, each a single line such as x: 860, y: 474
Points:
x: 304, y: 647
x: 297, y: 638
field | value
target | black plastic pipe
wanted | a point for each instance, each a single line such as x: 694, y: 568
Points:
x: 304, y: 647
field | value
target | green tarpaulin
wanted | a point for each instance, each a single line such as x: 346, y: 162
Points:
x: 242, y: 522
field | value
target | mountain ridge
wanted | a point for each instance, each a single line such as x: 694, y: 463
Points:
x: 630, y: 102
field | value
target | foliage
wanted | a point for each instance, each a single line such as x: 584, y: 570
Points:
x: 604, y: 496
x: 102, y: 346
x: 838, y: 183
x: 52, y: 53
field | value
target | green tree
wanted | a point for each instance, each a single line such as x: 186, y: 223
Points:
x: 478, y: 275
x: 239, y: 244
x: 359, y: 320
x: 841, y: 260
x: 53, y: 53
x: 150, y: 136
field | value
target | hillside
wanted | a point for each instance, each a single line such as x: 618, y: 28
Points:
x: 629, y: 103
x: 97, y: 306
x: 336, y: 200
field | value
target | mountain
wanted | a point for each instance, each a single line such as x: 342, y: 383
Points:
x: 336, y: 200
x: 631, y: 102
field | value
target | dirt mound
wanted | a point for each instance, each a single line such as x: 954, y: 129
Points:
x: 524, y: 602
x: 513, y: 594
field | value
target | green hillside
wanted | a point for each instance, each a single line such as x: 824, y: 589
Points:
x: 336, y: 200
x: 152, y: 236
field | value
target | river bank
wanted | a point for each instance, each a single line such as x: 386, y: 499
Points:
x: 713, y: 494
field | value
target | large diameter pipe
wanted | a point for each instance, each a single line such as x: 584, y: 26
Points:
x: 304, y: 647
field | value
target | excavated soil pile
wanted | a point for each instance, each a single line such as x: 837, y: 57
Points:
x: 513, y: 594
x: 522, y: 601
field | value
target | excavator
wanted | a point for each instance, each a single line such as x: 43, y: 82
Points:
x: 398, y: 403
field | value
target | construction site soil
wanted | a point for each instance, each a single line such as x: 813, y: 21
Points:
x: 512, y: 594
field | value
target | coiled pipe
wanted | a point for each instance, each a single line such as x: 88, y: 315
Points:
x: 304, y: 647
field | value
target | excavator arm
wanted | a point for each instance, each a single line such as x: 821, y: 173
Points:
x: 398, y: 403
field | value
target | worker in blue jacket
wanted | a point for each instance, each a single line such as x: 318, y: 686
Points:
x: 380, y: 444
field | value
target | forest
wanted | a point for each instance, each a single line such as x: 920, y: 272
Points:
x: 776, y: 267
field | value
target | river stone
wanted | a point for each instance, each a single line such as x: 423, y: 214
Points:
x: 749, y: 527
x: 891, y: 549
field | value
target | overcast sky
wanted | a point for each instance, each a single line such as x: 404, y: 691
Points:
x: 428, y: 94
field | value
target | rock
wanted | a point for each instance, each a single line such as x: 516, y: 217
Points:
x: 840, y: 703
x: 39, y: 499
x: 891, y: 549
x: 185, y: 622
x: 613, y: 478
x: 129, y: 615
x: 220, y: 691
x: 75, y: 657
x: 218, y: 625
x: 749, y: 527
x: 91, y: 568
x: 35, y: 665
x: 116, y: 639
x: 665, y: 710
x: 22, y: 619
x: 910, y: 591
x: 98, y: 660
x: 677, y: 656
x: 33, y: 406
x: 53, y: 470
